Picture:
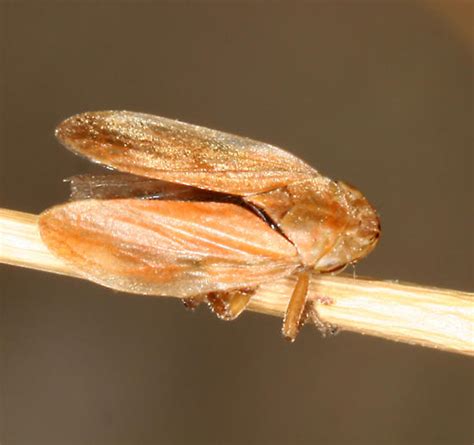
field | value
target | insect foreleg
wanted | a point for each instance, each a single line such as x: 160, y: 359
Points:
x: 326, y: 329
x: 296, y: 312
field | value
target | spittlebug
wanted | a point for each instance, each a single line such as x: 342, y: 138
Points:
x: 201, y: 215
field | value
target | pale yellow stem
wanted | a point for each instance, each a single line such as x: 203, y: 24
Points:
x: 437, y: 318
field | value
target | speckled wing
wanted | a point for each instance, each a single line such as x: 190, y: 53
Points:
x: 171, y: 248
x: 174, y: 151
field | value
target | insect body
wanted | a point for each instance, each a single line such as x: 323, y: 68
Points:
x: 200, y: 214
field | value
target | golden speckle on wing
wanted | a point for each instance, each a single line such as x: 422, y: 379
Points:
x: 174, y: 151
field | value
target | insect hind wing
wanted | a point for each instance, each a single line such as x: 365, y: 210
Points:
x: 124, y: 185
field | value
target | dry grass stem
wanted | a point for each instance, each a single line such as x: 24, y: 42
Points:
x: 437, y: 318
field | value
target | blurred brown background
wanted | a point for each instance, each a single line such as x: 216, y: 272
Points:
x: 376, y: 93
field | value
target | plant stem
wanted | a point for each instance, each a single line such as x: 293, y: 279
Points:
x: 437, y: 318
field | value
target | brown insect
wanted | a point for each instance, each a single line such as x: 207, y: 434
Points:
x: 200, y: 214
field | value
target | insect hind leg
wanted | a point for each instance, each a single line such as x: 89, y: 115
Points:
x: 227, y: 305
x: 192, y: 303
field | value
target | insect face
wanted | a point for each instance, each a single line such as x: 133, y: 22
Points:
x: 359, y: 235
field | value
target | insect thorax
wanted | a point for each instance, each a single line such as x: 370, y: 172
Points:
x: 329, y: 223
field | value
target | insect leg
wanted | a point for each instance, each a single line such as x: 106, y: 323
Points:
x: 326, y: 329
x: 192, y: 303
x: 229, y: 305
x: 297, y: 311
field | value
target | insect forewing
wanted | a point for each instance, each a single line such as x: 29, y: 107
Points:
x: 171, y: 248
x: 170, y: 150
